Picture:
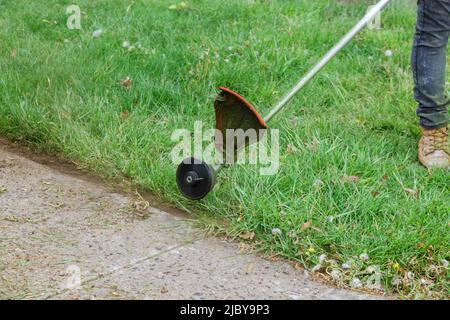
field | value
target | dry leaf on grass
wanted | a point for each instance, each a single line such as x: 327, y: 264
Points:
x: 291, y: 148
x: 412, y: 192
x: 124, y: 115
x: 350, y: 179
x: 247, y: 235
x: 126, y: 83
x: 306, y: 226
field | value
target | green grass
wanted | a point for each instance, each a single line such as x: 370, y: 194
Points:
x: 61, y: 93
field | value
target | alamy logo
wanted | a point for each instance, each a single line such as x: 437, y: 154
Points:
x: 73, y: 281
x: 74, y: 20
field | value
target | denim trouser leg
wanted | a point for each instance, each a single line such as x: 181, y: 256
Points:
x: 429, y: 57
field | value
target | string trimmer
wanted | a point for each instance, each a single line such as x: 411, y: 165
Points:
x: 195, y: 178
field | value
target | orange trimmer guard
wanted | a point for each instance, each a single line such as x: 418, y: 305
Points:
x: 236, y: 116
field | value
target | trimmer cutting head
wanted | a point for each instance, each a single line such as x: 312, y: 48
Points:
x: 234, y: 113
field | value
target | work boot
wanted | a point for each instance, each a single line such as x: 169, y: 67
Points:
x: 434, y: 150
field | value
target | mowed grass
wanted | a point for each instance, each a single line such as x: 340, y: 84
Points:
x: 60, y: 91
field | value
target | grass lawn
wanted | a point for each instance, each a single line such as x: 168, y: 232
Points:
x: 60, y: 91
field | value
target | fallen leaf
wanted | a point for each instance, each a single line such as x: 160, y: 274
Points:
x: 273, y: 257
x: 305, y: 226
x: 430, y: 250
x: 247, y: 235
x: 126, y: 83
x: 124, y: 115
x: 140, y: 207
x: 164, y: 290
x: 411, y: 192
x: 291, y: 148
x: 297, y: 266
x: 249, y: 268
x: 350, y: 179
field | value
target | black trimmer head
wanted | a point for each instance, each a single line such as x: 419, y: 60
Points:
x: 195, y: 178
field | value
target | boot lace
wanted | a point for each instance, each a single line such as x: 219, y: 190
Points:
x: 437, y: 140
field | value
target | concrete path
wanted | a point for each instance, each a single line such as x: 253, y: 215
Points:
x: 64, y: 236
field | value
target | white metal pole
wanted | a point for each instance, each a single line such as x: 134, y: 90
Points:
x: 371, y: 14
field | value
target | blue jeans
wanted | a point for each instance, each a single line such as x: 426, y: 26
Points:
x: 428, y: 59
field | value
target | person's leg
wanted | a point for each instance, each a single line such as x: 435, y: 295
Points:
x: 429, y: 57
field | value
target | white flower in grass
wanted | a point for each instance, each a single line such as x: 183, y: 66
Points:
x: 97, y: 33
x: 322, y: 258
x: 425, y: 282
x: 396, y: 281
x: 370, y: 269
x: 356, y: 283
x: 388, y: 53
x: 276, y: 231
x: 444, y: 263
x: 336, y: 274
x: 345, y: 266
x: 316, y: 268
x: 318, y: 183
x: 126, y: 44
x: 364, y: 257
x: 333, y: 263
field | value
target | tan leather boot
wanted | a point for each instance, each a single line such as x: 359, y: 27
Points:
x: 434, y: 150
